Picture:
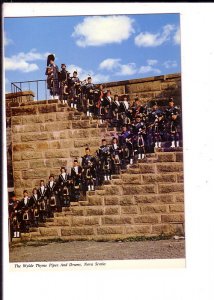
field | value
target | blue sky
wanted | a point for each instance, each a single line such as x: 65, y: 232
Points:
x: 109, y: 48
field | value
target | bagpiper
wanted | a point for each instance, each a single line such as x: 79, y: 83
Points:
x: 116, y: 153
x: 76, y: 180
x: 105, y: 168
x: 75, y: 88
x: 63, y: 188
x: 89, y: 170
x: 53, y: 199
x: 52, y: 73
x: 89, y: 92
x: 63, y: 84
x: 34, y: 204
x: 42, y: 193
x: 139, y: 137
x: 173, y: 123
x: 24, y: 211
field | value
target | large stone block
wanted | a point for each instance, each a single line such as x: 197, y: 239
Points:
x: 16, y: 120
x: 20, y: 165
x: 173, y: 218
x: 41, y: 146
x: 65, y: 125
x: 37, y: 173
x: 59, y: 163
x: 176, y: 207
x: 81, y: 133
x: 138, y: 189
x: 17, y: 129
x: 180, y: 177
x: 57, y: 154
x: 114, y: 220
x: 24, y: 110
x: 127, y: 200
x: 161, y: 229
x: 179, y: 156
x: 24, y: 147
x: 81, y: 124
x: 31, y: 155
x: 61, y: 221
x: 169, y: 167
x: 74, y: 153
x: 37, y: 164
x: 143, y: 87
x: 92, y: 221
x: 144, y: 229
x: 34, y: 137
x: 49, y: 108
x: 77, y: 231
x: 95, y: 200
x: 110, y: 230
x: 48, y: 231
x: 166, y: 157
x: 87, y: 142
x: 179, y: 197
x: 94, y: 211
x: 112, y: 210
x: 154, y: 219
x: 17, y: 175
x: 26, y: 120
x: 62, y: 116
x: 171, y: 188
x: 54, y: 145
x: 147, y: 168
x: 32, y: 128
x: 112, y: 190
x: 152, y: 178
x: 111, y: 200
x: 145, y: 209
x: 74, y: 211
x: 131, y: 179
x: 17, y: 157
x: 129, y: 210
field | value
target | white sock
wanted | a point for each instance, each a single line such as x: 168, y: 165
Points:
x: 177, y: 144
x: 142, y: 156
x: 105, y: 177
x: 139, y: 156
x: 156, y: 144
x: 14, y: 234
x: 87, y: 113
x: 75, y: 106
x: 131, y: 161
x: 173, y: 144
x: 89, y: 187
x: 92, y: 187
x: 159, y: 144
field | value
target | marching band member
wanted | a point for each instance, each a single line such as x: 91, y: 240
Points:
x: 89, y: 91
x: 34, y: 204
x: 63, y: 84
x: 107, y: 102
x: 104, y: 156
x: 139, y: 132
x: 173, y: 118
x: 24, y: 210
x: 116, y: 152
x: 52, y: 193
x: 52, y: 72
x: 75, y: 87
x: 115, y: 107
x: 42, y: 194
x: 75, y: 177
x: 63, y: 184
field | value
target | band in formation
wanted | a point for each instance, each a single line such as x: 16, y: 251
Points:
x: 141, y: 129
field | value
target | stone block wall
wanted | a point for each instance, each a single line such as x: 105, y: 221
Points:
x: 45, y: 136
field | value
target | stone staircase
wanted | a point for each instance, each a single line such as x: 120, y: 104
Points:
x: 147, y: 199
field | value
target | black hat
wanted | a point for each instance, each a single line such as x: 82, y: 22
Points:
x: 63, y: 65
x: 103, y: 140
x: 136, y: 99
x: 75, y: 160
x: 75, y: 72
x: 49, y: 58
x: 87, y: 148
x: 63, y: 168
x: 89, y: 77
x: 25, y: 191
x: 138, y: 116
x: 154, y: 103
x: 52, y: 175
x: 171, y: 99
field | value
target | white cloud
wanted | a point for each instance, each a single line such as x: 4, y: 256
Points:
x: 152, y: 62
x: 83, y: 74
x: 7, y: 41
x: 177, y: 37
x: 149, y: 69
x: 20, y: 62
x: 170, y: 64
x: 115, y: 65
x: 147, y: 39
x: 110, y: 64
x: 102, y: 30
x: 128, y: 69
